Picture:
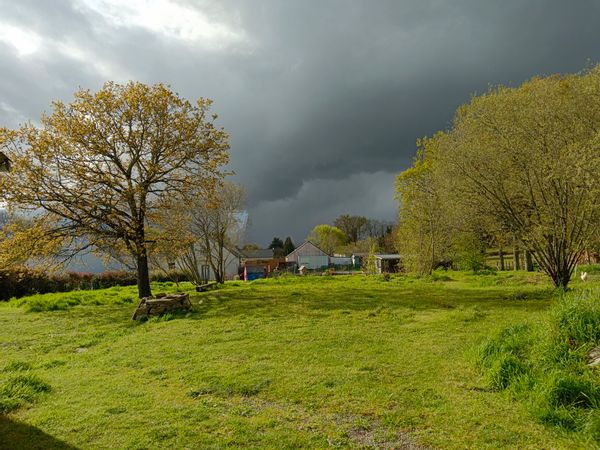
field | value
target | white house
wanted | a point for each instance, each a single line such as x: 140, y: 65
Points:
x: 309, y: 256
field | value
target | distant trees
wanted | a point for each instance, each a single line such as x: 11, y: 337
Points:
x: 282, y: 248
x: 327, y: 237
x: 215, y: 227
x: 353, y: 226
x: 98, y: 167
x: 362, y: 232
x: 526, y: 159
x: 277, y: 246
x: 288, y: 246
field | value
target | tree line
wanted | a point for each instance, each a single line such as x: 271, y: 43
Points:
x: 519, y: 167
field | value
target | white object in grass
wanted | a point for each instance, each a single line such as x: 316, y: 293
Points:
x: 584, y: 276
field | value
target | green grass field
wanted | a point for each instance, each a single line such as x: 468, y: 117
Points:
x: 312, y: 362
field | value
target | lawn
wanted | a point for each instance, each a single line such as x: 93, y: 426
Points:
x: 314, y: 362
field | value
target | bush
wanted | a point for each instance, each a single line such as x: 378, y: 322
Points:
x: 547, y: 365
x: 23, y: 281
x: 176, y: 276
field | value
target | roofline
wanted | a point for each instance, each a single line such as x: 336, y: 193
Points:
x: 303, y: 244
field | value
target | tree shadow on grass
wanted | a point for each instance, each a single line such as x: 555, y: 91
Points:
x: 18, y: 435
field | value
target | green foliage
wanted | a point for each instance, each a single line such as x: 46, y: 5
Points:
x: 22, y: 281
x: 288, y: 246
x: 327, y: 238
x: 546, y: 366
x: 423, y: 235
x: 277, y: 246
x: 353, y: 226
x: 370, y: 263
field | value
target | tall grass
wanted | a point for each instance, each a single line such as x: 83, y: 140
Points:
x: 21, y: 389
x: 546, y: 365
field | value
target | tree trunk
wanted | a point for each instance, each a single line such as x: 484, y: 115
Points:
x: 516, y: 258
x: 143, y: 275
x: 528, y: 261
x: 561, y: 278
x: 501, y: 255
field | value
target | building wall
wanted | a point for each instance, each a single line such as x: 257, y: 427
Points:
x: 232, y: 263
x: 341, y: 261
x: 306, y: 250
x: 313, y: 262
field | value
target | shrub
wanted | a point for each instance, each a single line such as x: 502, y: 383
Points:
x: 575, y: 324
x: 176, y: 276
x: 23, y: 281
x: 546, y: 365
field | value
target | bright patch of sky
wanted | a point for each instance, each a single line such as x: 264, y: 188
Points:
x: 24, y: 41
x: 170, y: 19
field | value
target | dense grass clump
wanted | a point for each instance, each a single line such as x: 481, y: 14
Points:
x: 546, y: 365
x: 21, y: 389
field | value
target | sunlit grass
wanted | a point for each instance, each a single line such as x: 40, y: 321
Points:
x: 310, y: 362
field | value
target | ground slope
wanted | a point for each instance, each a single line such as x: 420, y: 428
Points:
x: 292, y: 362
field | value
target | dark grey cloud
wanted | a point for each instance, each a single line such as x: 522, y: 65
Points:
x: 323, y: 100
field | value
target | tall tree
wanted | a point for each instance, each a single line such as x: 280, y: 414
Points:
x: 528, y: 158
x: 353, y: 226
x: 423, y: 232
x: 277, y: 247
x: 288, y: 246
x: 99, y: 166
x: 328, y: 238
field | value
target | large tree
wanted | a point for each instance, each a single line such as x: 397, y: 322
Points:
x: 277, y: 246
x: 527, y: 158
x: 423, y: 235
x: 353, y: 226
x: 328, y: 238
x: 288, y: 246
x: 100, y: 166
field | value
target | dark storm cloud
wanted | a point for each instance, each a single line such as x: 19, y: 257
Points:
x: 323, y: 100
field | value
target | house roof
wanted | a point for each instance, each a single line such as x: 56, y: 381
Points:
x: 388, y: 256
x: 306, y: 243
x: 262, y: 253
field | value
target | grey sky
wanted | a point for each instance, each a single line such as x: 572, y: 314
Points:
x: 323, y: 99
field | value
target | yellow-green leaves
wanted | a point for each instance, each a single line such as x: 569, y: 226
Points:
x: 102, y: 164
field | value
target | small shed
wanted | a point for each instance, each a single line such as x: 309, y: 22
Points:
x: 389, y: 263
x: 309, y: 256
x: 5, y: 163
x: 358, y: 258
